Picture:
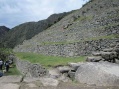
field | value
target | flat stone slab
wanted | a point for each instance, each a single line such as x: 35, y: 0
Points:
x: 49, y: 82
x: 94, y: 59
x: 9, y: 86
x: 108, y: 50
x: 31, y: 85
x: 11, y: 79
x: 30, y: 79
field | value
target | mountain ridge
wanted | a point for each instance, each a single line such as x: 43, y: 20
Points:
x: 3, y: 31
x: 27, y: 30
x: 91, y: 28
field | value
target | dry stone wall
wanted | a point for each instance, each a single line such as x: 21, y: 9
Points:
x: 30, y: 70
x: 70, y: 49
x: 75, y: 49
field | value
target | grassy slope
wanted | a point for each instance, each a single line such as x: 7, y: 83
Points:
x: 48, y: 61
x: 13, y: 71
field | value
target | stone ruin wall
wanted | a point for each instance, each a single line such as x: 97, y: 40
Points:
x: 75, y: 49
x: 28, y: 69
x: 71, y: 49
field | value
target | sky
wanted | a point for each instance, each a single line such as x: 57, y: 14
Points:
x: 15, y: 12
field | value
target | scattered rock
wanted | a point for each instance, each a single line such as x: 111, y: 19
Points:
x: 54, y: 73
x: 71, y: 74
x: 64, y: 69
x: 94, y: 59
x: 100, y: 74
x: 64, y: 78
x: 75, y: 66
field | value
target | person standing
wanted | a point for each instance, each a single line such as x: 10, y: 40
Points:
x: 1, y: 64
x: 7, y: 66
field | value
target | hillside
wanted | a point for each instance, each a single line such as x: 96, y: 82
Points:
x: 3, y: 31
x: 27, y: 30
x: 92, y: 28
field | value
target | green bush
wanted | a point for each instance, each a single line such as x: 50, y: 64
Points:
x: 4, y: 53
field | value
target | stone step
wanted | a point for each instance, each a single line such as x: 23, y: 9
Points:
x: 108, y: 50
x: 94, y: 59
x: 96, y: 53
x: 75, y: 65
x: 108, y: 55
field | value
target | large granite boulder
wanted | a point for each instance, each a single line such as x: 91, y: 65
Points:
x: 100, y: 74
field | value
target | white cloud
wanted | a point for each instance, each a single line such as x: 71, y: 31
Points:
x: 14, y: 12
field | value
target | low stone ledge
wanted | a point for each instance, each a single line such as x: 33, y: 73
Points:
x: 30, y: 70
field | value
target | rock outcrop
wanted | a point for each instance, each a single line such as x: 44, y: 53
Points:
x: 99, y: 74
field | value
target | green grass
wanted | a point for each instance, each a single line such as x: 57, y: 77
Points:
x: 12, y: 71
x: 48, y: 61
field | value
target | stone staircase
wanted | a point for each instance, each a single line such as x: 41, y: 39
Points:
x: 109, y: 54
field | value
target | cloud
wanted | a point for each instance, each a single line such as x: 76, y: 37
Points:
x: 14, y: 12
